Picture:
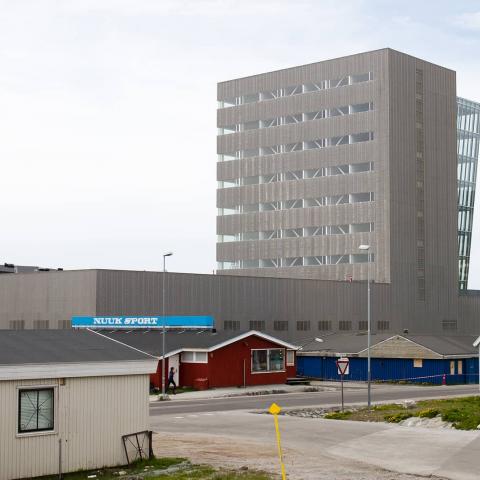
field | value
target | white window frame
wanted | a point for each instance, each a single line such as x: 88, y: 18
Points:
x: 268, y: 360
x: 418, y: 363
x: 196, y: 354
x: 38, y: 433
x: 290, y: 359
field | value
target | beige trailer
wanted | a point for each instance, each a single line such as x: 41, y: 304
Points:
x: 66, y: 399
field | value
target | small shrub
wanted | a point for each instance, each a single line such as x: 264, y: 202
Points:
x: 397, y: 417
x: 428, y: 413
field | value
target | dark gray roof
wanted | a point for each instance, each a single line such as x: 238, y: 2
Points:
x: 342, y: 342
x: 19, y: 347
x: 446, y: 345
x: 353, y: 343
x: 151, y: 340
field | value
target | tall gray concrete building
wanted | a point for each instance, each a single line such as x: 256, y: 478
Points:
x: 316, y: 160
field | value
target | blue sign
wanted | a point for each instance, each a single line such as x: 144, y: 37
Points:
x: 143, y: 322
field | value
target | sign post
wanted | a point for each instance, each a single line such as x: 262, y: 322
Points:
x: 275, y: 410
x: 343, y: 368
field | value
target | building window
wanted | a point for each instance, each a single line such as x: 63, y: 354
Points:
x: 17, y: 324
x: 257, y: 325
x: 268, y: 360
x: 324, y: 325
x: 63, y: 324
x: 40, y: 324
x: 194, y: 357
x: 290, y: 358
x: 231, y: 325
x: 449, y: 325
x: 417, y: 363
x: 303, y: 325
x: 347, y: 139
x: 344, y: 325
x: 280, y: 325
x: 363, y: 325
x: 35, y: 410
x: 383, y: 325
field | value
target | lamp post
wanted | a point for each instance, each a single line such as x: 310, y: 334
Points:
x: 369, y: 329
x: 169, y: 254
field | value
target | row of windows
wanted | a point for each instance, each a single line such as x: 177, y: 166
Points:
x: 296, y: 90
x: 306, y: 325
x: 293, y: 175
x: 298, y: 232
x: 297, y: 118
x: 298, y: 261
x: 298, y: 146
x: 341, y: 199
x: 38, y: 324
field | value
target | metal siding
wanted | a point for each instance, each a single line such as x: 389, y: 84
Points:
x: 91, y: 415
x: 386, y: 369
x: 52, y: 296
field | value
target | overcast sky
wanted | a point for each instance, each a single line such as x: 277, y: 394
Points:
x: 108, y: 111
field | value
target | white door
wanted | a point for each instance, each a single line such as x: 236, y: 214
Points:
x: 174, y: 362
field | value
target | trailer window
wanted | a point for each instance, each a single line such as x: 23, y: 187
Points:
x: 35, y: 410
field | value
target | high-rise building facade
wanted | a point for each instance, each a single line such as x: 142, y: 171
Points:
x: 316, y: 160
x: 468, y: 147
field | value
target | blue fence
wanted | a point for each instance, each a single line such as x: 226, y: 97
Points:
x: 393, y: 369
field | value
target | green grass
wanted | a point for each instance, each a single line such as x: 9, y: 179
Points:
x: 203, y: 472
x: 152, y: 470
x: 462, y: 412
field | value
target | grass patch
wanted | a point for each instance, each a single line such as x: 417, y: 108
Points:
x: 462, y: 412
x: 175, y: 469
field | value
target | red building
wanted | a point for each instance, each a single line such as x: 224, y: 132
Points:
x: 224, y: 359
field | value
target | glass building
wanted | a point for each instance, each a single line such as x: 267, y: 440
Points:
x: 468, y: 149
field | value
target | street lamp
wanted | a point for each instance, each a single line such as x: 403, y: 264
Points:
x: 369, y: 329
x: 168, y: 254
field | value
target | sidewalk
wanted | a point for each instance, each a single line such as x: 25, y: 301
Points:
x: 253, y: 390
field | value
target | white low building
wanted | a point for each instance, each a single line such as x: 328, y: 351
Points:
x: 66, y: 399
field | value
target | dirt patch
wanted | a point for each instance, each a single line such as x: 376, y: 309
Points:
x: 215, y: 450
x: 234, y: 452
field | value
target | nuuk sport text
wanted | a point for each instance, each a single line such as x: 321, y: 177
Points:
x: 125, y: 321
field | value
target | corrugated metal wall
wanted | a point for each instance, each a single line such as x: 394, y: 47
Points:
x: 91, y: 416
x: 392, y: 369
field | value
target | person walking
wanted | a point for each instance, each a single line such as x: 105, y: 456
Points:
x: 171, y: 380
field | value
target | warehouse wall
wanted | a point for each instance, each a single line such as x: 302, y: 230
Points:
x: 91, y: 416
x: 31, y: 299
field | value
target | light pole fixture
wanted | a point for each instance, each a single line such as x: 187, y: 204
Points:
x: 165, y: 255
x: 477, y: 344
x: 369, y: 326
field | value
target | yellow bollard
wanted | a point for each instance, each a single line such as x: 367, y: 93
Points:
x: 275, y: 410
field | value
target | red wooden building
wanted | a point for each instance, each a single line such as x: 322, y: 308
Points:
x: 225, y: 359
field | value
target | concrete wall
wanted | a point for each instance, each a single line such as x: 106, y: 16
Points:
x: 91, y: 415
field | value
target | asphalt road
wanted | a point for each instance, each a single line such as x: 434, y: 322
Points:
x: 355, y: 395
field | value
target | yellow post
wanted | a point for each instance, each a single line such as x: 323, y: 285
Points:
x: 275, y: 410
